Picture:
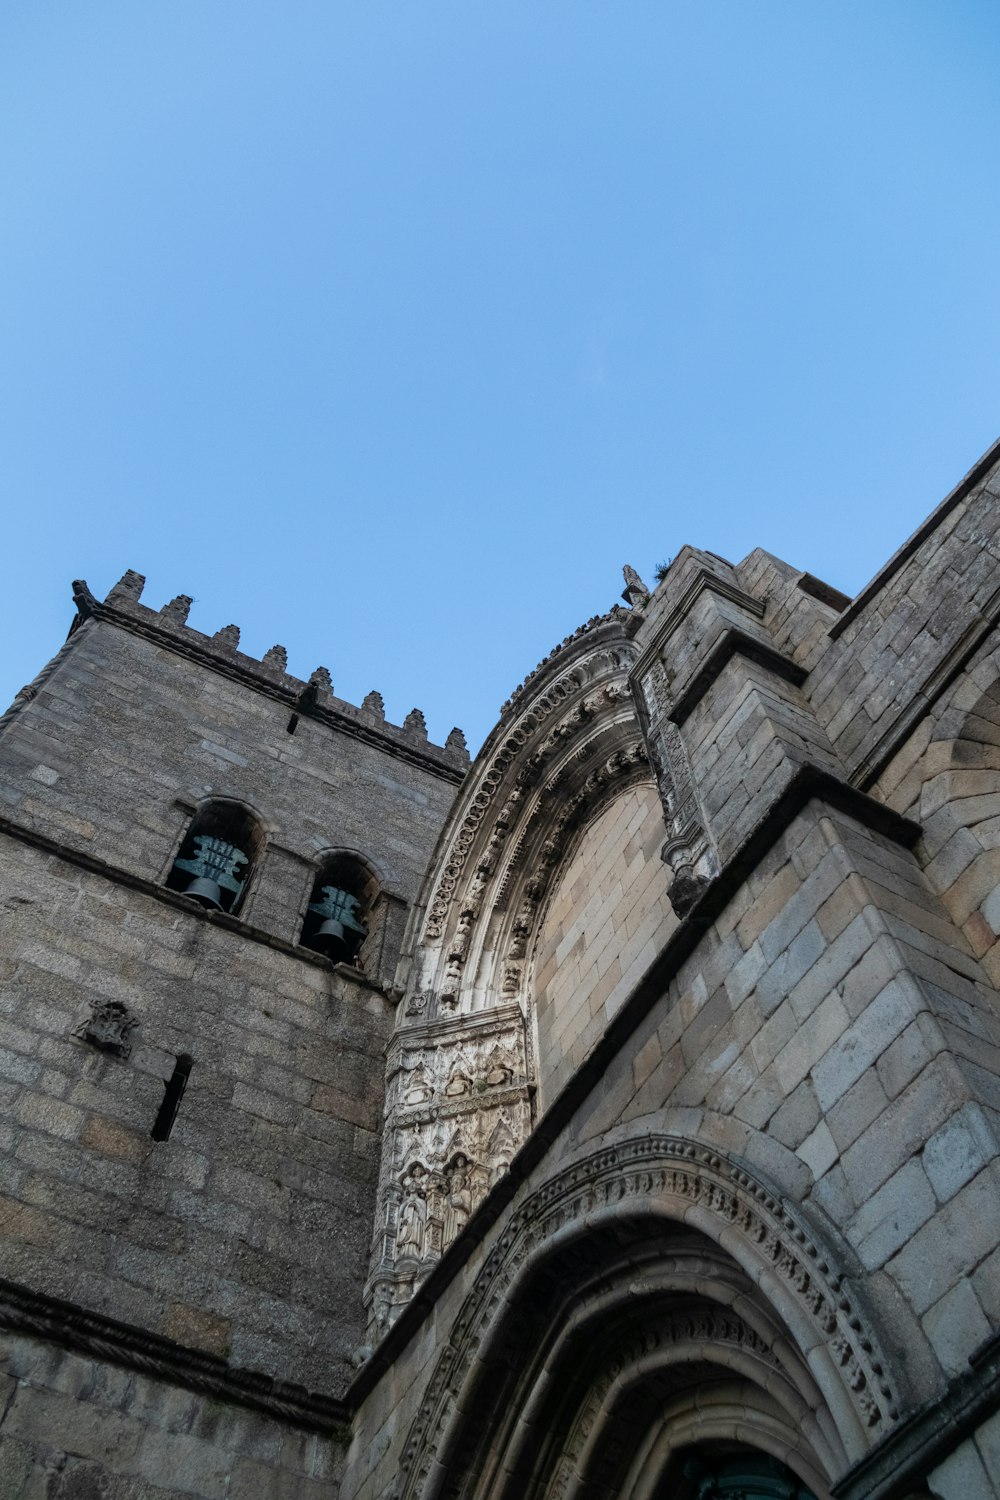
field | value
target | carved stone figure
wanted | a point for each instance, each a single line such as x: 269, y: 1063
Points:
x: 459, y: 945
x: 635, y: 591
x: 412, y: 1214
x: 458, y: 1207
x: 459, y: 1082
x: 511, y: 979
x: 418, y: 1088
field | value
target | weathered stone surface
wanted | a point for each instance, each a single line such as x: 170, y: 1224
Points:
x: 684, y: 1130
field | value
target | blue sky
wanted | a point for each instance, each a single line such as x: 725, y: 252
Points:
x: 389, y: 331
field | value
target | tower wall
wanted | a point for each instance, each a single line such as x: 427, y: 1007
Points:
x: 228, y: 1259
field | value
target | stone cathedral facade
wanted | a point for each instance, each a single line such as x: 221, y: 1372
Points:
x: 614, y: 1118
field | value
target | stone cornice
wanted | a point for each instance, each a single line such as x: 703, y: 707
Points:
x: 704, y: 580
x: 190, y: 644
x: 817, y: 588
x: 179, y: 902
x: 97, y: 1337
x: 732, y: 643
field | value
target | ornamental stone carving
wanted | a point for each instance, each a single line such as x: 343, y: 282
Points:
x: 668, y: 1175
x: 460, y: 1075
x: 458, y: 1109
x: 688, y: 850
x: 109, y: 1027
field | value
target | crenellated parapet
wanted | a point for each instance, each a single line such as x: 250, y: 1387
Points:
x: 269, y: 674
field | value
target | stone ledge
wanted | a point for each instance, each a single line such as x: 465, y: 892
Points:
x: 71, y: 1327
x: 824, y: 592
x: 704, y: 580
x: 732, y: 643
x: 926, y: 1437
x: 179, y: 902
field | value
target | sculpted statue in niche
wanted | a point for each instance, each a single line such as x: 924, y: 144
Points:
x: 459, y: 945
x: 449, y: 987
x: 524, y: 921
x: 418, y: 1088
x: 498, y: 1069
x: 477, y: 886
x: 413, y: 1213
x: 459, y: 1081
x: 458, y: 1204
x: 501, y: 1146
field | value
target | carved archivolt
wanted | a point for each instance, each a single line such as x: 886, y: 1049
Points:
x: 682, y: 1181
x: 659, y: 1358
x: 460, y: 1074
x: 574, y: 744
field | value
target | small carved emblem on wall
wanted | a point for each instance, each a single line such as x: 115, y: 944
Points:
x: 109, y: 1027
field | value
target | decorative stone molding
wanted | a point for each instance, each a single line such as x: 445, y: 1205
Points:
x: 706, y: 1331
x: 574, y: 744
x: 97, y: 1337
x: 457, y: 1110
x: 676, y: 1175
x: 689, y: 850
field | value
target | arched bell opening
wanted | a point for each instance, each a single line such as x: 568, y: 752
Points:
x: 600, y: 1342
x: 338, y: 914
x: 217, y: 856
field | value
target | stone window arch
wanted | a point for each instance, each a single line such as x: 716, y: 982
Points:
x: 338, y: 917
x: 218, y: 855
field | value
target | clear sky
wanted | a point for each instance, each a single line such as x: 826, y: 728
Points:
x: 389, y: 331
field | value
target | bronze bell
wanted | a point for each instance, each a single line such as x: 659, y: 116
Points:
x: 216, y: 865
x: 337, y: 909
x: 331, y: 938
x: 205, y: 890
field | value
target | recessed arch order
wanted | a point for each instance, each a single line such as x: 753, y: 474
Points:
x: 650, y: 1296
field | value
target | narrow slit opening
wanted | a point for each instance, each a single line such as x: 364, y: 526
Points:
x: 173, y: 1093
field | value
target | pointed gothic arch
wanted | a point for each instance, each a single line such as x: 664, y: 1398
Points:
x: 647, y: 1298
